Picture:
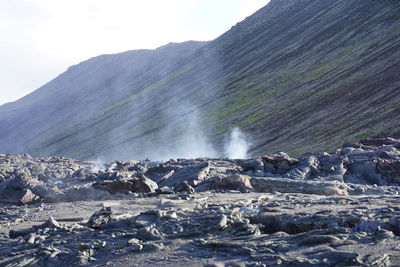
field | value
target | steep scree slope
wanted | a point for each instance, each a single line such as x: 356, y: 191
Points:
x: 296, y: 75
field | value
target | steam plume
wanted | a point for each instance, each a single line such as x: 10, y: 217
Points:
x: 237, y: 146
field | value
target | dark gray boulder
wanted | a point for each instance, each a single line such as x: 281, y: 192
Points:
x: 254, y: 165
x: 194, y: 174
x: 183, y: 186
x: 129, y: 185
x: 25, y: 189
x: 99, y: 218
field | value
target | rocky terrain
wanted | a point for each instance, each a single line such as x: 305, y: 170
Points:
x: 339, y: 209
x: 297, y: 76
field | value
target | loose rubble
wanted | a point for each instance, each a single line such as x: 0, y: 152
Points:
x: 340, y: 209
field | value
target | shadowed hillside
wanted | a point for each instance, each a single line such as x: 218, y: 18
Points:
x: 296, y: 76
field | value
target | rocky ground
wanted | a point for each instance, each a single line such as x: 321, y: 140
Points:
x: 340, y: 209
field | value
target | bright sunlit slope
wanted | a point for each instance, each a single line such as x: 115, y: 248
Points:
x: 296, y: 76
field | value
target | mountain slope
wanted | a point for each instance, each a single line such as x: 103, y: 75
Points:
x: 297, y: 75
x: 82, y: 91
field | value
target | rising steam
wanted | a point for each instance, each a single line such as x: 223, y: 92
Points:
x: 186, y: 139
x: 237, y: 146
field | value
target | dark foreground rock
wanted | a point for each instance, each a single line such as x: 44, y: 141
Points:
x: 229, y: 229
x: 340, y: 209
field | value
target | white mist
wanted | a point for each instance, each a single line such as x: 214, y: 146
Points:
x: 237, y: 146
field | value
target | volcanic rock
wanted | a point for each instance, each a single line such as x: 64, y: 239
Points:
x: 28, y: 197
x: 284, y: 185
x: 183, y: 186
x: 100, y: 217
x: 238, y: 182
x: 316, y: 210
x: 131, y: 185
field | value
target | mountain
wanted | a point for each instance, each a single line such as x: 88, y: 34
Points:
x: 83, y: 91
x: 298, y: 75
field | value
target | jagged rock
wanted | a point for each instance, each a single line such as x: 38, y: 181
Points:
x: 302, y: 230
x: 30, y: 239
x: 37, y: 169
x: 223, y: 223
x: 135, y: 247
x: 24, y: 189
x: 134, y: 241
x: 269, y: 168
x: 100, y: 218
x: 380, y: 235
x: 308, y: 167
x: 332, y: 166
x: 374, y: 162
x: 165, y: 190
x: 51, y: 223
x: 166, y: 176
x: 378, y: 141
x: 28, y: 197
x: 283, y: 185
x: 365, y: 170
x: 278, y: 163
x: 277, y: 158
x: 254, y: 165
x: 300, y: 173
x: 368, y: 226
x: 238, y: 182
x: 283, y: 167
x: 390, y: 169
x: 128, y: 185
x: 193, y: 174
x: 183, y: 186
x: 22, y: 180
x: 120, y: 186
x: 162, y: 168
x: 149, y: 234
x: 143, y: 185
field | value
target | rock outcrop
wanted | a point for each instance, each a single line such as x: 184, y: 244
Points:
x: 321, y: 209
x: 353, y: 169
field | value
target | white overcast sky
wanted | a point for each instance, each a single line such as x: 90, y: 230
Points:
x: 42, y: 38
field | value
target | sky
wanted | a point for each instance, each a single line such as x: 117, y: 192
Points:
x: 40, y: 39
